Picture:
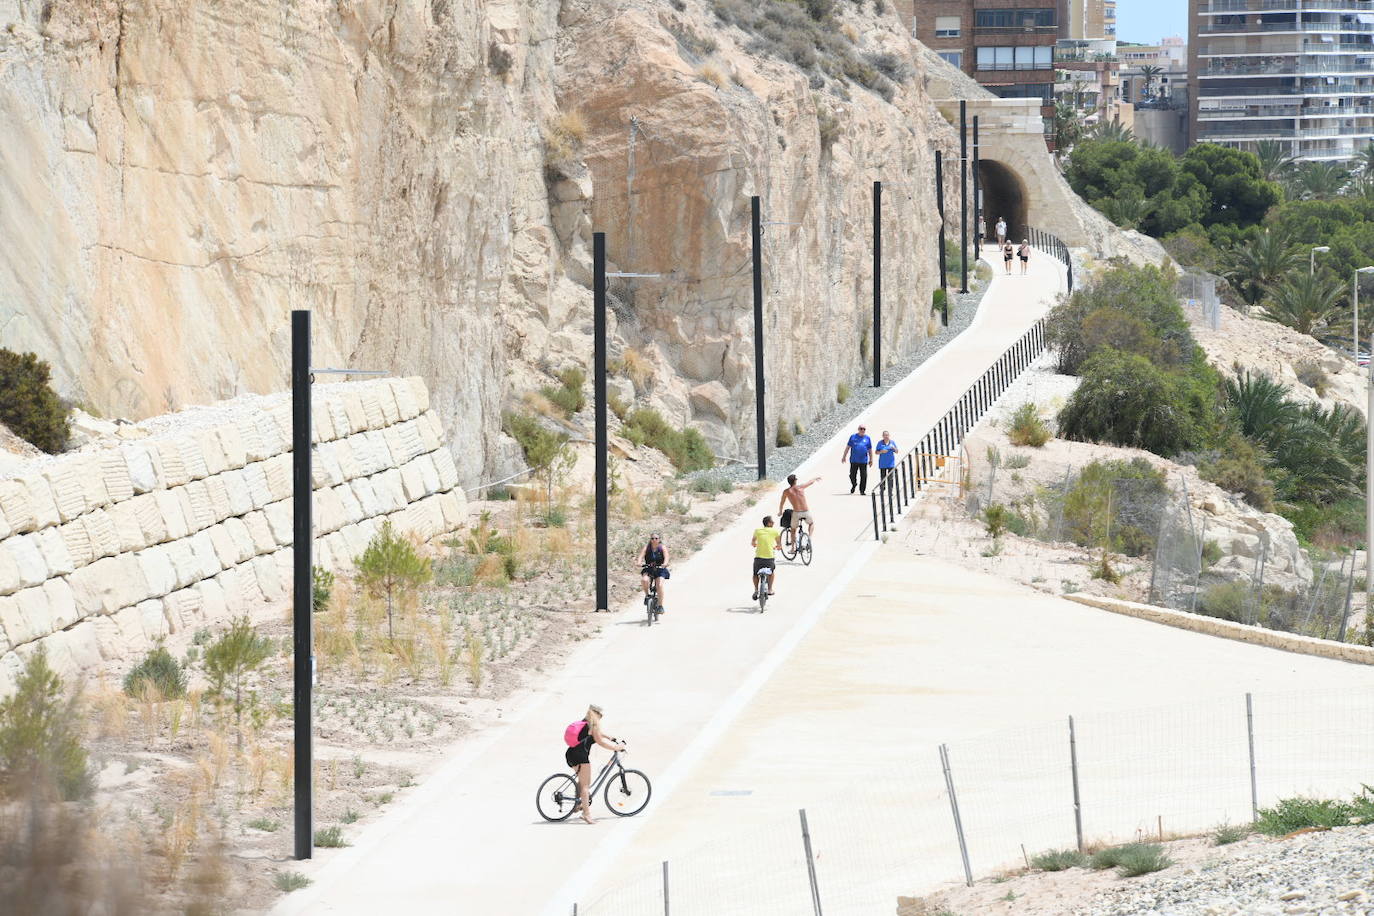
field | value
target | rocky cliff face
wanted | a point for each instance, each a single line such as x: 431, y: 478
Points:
x: 174, y: 178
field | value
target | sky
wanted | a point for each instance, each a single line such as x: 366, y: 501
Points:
x: 1147, y: 21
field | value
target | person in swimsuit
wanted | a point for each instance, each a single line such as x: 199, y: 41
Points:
x: 653, y: 564
x: 764, y: 540
x: 1024, y: 253
x: 579, y: 757
x: 1007, y: 255
x: 796, y: 495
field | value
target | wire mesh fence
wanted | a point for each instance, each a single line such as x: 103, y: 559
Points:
x: 1198, y: 289
x: 1003, y: 797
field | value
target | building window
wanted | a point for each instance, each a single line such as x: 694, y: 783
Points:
x: 1042, y: 91
x: 1040, y: 57
x: 1014, y: 19
x: 946, y: 26
x: 953, y: 58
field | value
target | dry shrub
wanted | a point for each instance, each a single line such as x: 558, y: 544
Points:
x: 59, y: 858
x: 563, y: 139
x: 635, y: 366
x: 474, y: 649
x: 558, y: 542
x: 932, y: 326
x: 848, y: 31
x: 491, y: 570
x: 711, y: 74
x: 111, y: 713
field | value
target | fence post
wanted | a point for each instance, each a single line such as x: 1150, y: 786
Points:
x: 665, y: 887
x: 1250, y: 736
x: 810, y: 864
x: 954, y: 807
x: 873, y: 498
x: 1077, y: 802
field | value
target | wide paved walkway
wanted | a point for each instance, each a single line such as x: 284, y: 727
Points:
x: 468, y: 840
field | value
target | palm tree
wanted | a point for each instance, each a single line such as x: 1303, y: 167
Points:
x: 1318, y: 180
x: 1261, y: 407
x: 1253, y: 268
x: 1365, y: 160
x: 1304, y: 302
x: 1149, y: 72
x: 1112, y: 130
x: 1068, y: 127
x: 1276, y: 161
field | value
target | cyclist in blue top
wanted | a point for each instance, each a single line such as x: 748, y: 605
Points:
x: 858, y: 451
x: 887, y: 456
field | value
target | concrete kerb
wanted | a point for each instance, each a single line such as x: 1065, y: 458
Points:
x: 1226, y: 629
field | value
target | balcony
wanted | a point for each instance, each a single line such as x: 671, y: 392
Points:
x: 1246, y: 112
x: 1223, y: 7
x: 1281, y: 28
x: 1282, y: 92
x: 1231, y: 66
x: 1016, y: 29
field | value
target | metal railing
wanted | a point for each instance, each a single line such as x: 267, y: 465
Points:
x: 895, y: 491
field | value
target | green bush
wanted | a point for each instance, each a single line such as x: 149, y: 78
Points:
x: 1313, y: 376
x: 686, y: 448
x: 1240, y: 467
x: 158, y: 672
x: 1027, y: 428
x: 939, y: 302
x: 237, y: 653
x: 1116, y: 504
x: 321, y: 587
x: 1124, y: 399
x: 1226, y: 601
x: 390, y: 568
x: 1137, y: 859
x: 568, y: 397
x: 540, y: 444
x: 1227, y: 834
x: 40, y: 735
x: 1132, y: 309
x: 28, y: 405
x: 712, y: 484
x: 995, y: 520
x: 288, y: 881
x: 330, y: 838
x: 1296, y: 813
x: 1059, y: 860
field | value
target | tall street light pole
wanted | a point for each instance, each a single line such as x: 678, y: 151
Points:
x: 1312, y: 258
x: 1355, y: 314
x: 302, y: 494
x: 603, y: 496
x: 760, y: 425
x: 963, y: 196
x: 1369, y: 507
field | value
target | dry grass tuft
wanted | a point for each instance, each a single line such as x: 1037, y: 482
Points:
x: 635, y: 366
x: 563, y: 139
x: 711, y: 74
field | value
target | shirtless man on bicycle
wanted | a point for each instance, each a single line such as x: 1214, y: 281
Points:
x: 796, y: 495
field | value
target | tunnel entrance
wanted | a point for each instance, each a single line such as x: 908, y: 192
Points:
x: 1004, y: 196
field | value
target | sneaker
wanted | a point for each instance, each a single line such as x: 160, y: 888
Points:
x: 754, y: 597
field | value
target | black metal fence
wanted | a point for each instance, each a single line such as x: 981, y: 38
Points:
x: 896, y: 490
x: 1050, y: 244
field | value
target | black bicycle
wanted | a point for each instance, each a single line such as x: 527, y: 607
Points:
x: 652, y: 607
x: 800, y: 546
x: 764, y: 575
x: 627, y: 792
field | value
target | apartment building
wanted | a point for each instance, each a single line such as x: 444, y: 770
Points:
x: 1089, y: 19
x: 1166, y: 88
x: 1299, y: 71
x: 1006, y: 45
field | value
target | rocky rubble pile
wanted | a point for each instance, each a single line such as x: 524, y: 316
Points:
x: 1327, y: 872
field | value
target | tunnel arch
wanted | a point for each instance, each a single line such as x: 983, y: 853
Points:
x: 1004, y: 195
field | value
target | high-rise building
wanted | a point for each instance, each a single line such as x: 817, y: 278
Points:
x: 1298, y: 71
x: 1091, y: 19
x: 1006, y: 45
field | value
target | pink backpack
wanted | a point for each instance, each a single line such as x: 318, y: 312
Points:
x: 572, y: 734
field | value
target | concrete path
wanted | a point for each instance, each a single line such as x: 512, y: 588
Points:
x: 469, y: 840
x: 917, y: 652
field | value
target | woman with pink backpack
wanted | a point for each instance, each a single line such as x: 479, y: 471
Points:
x: 580, y: 736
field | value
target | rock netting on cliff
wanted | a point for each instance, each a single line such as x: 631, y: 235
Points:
x: 105, y: 551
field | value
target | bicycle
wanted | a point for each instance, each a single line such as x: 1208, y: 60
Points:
x: 763, y: 587
x: 627, y: 792
x: 652, y: 607
x: 800, y: 546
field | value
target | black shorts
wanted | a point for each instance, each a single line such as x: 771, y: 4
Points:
x: 1025, y: 258
x: 761, y: 563
x: 655, y: 572
x: 577, y: 754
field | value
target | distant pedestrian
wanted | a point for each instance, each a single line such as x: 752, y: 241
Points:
x: 887, y: 456
x: 1024, y: 253
x: 858, y: 451
x: 982, y: 233
x: 1001, y: 230
x: 1007, y: 254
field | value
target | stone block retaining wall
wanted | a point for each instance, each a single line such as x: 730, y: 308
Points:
x: 104, y: 551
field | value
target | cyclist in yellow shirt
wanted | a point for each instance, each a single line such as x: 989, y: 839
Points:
x: 765, y: 539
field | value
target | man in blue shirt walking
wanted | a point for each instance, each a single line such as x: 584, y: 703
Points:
x: 858, y: 451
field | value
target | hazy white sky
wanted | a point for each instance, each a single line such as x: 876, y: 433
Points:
x: 1147, y: 21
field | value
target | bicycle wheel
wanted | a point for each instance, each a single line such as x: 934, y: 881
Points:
x: 788, y: 547
x: 557, y: 797
x: 763, y: 592
x: 628, y: 792
x: 804, y: 548
x: 649, y: 609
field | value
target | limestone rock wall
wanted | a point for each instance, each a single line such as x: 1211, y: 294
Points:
x: 104, y: 551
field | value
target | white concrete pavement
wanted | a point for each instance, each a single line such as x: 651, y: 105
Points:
x: 918, y: 651
x: 468, y: 840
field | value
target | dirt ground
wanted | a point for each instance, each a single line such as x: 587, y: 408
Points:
x: 201, y: 790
